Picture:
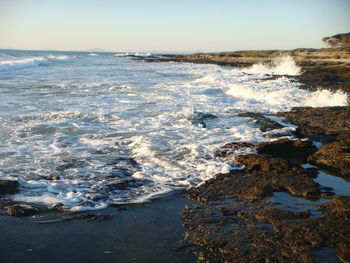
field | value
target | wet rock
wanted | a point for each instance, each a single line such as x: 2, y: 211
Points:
x: 228, y: 230
x: 287, y: 149
x: 201, y: 118
x: 59, y: 207
x: 331, y: 125
x: 263, y: 174
x: 20, y: 210
x: 122, y: 184
x: 8, y: 187
x: 274, y: 216
x: 334, y: 156
x: 326, y: 75
x: 264, y: 123
x: 229, y: 148
x: 330, y: 121
x: 92, y: 217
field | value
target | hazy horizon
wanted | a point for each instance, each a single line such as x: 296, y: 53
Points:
x: 163, y: 26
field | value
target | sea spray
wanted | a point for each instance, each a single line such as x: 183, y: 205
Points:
x: 280, y: 66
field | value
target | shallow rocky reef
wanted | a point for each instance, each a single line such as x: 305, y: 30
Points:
x: 235, y: 217
x: 8, y: 187
x: 330, y: 126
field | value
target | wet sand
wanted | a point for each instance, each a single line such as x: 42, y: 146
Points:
x: 151, y: 232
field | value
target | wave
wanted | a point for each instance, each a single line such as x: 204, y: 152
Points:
x: 32, y: 62
x: 121, y: 55
x: 127, y: 54
x: 326, y: 98
x: 281, y: 94
x: 142, y: 54
x: 280, y: 66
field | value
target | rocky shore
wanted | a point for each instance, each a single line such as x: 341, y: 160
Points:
x: 321, y: 68
x: 273, y: 209
x: 239, y: 217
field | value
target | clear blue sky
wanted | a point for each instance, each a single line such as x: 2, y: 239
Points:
x: 176, y: 25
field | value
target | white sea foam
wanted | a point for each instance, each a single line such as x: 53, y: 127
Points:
x: 31, y: 62
x: 143, y: 54
x: 121, y: 54
x: 280, y: 66
x: 323, y: 98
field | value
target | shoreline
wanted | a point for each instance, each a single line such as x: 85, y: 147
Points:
x: 237, y: 214
x: 327, y: 68
x: 275, y: 198
x: 148, y: 232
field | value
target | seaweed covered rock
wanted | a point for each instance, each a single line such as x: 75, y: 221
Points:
x: 8, y: 187
x: 334, y: 156
x: 263, y: 174
x: 264, y: 123
x: 230, y: 230
x: 288, y: 149
x: 329, y: 121
x: 20, y: 210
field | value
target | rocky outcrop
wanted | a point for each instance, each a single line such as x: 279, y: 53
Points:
x: 334, y: 156
x: 288, y: 149
x: 292, y: 150
x: 330, y: 125
x: 8, y: 187
x: 20, y: 210
x: 327, y: 68
x: 338, y: 40
x: 330, y: 121
x: 233, y: 222
x: 263, y: 174
x: 264, y: 123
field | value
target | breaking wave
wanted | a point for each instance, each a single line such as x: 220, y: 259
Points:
x: 326, y: 98
x: 32, y: 62
x: 280, y: 66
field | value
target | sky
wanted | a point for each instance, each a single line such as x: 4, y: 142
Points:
x: 176, y: 25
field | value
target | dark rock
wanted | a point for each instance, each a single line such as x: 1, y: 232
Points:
x: 121, y: 184
x: 8, y: 187
x: 273, y: 215
x: 334, y: 156
x: 332, y: 76
x: 330, y: 121
x: 201, y: 118
x: 262, y: 175
x: 59, y: 207
x: 227, y: 230
x: 229, y: 148
x: 265, y: 124
x: 287, y: 149
x: 21, y: 210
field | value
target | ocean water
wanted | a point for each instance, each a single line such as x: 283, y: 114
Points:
x: 88, y: 130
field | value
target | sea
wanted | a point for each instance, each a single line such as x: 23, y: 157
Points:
x: 89, y: 130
